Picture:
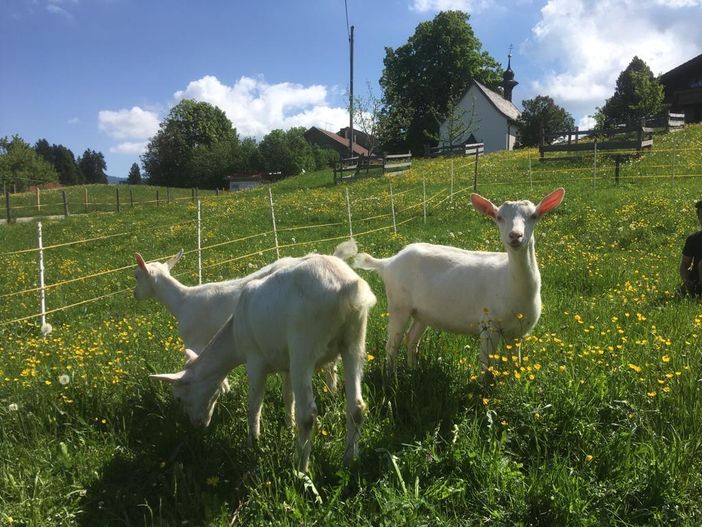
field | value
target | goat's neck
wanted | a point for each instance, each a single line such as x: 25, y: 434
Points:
x: 171, y: 293
x: 219, y: 356
x: 524, y: 271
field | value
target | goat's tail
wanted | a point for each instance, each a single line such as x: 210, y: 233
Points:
x: 366, y: 261
x: 360, y: 296
x: 346, y: 250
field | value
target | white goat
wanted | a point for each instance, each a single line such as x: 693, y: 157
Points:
x: 295, y: 319
x: 496, y: 295
x: 203, y: 309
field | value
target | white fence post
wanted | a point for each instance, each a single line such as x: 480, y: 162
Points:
x: 451, y: 195
x: 199, y: 245
x: 348, y: 208
x: 275, y: 230
x: 45, y: 328
x: 424, y: 198
x: 392, y: 205
x: 594, y: 165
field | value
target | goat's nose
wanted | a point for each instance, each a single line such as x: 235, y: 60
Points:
x: 516, y: 236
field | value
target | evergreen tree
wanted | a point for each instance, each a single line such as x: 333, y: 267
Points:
x: 92, y: 165
x: 134, y: 177
x: 638, y: 94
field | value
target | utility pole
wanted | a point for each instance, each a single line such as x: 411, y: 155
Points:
x: 351, y: 95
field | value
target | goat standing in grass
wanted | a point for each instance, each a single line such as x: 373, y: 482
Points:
x: 496, y: 295
x: 202, y: 310
x: 293, y: 320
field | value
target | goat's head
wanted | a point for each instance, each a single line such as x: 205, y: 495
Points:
x: 146, y: 274
x: 197, y: 395
x: 516, y: 219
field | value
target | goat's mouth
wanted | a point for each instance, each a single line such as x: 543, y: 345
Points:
x: 515, y: 244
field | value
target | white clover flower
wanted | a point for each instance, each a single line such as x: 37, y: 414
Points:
x: 12, y: 407
x: 64, y: 379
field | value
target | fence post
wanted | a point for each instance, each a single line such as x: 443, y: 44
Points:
x: 475, y: 172
x: 65, y: 204
x: 117, y: 194
x: 42, y: 292
x: 275, y: 231
x: 348, y: 208
x: 192, y: 194
x: 199, y: 245
x: 38, y: 201
x: 594, y: 165
x: 451, y: 194
x: 158, y: 203
x: 85, y: 199
x: 674, y: 157
x: 131, y: 197
x: 7, y: 206
x: 392, y: 205
x: 424, y: 198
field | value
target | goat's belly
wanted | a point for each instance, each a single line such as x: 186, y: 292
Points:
x: 461, y: 325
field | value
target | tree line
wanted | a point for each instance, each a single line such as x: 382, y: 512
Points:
x: 422, y: 82
x: 23, y: 165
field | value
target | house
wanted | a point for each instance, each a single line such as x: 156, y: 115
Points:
x: 326, y: 139
x: 683, y: 89
x: 368, y: 142
x: 484, y: 116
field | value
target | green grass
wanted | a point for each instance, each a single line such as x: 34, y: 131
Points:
x: 600, y: 425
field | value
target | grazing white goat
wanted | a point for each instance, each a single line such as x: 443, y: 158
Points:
x: 295, y: 319
x: 203, y: 309
x: 496, y: 295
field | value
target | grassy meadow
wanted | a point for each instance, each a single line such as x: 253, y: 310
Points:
x: 600, y: 423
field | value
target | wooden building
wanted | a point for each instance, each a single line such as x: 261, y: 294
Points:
x: 683, y: 89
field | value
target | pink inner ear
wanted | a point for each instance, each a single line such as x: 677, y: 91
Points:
x: 550, y: 202
x: 483, y: 205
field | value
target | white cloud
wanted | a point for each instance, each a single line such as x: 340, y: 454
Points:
x: 134, y: 148
x: 135, y: 123
x: 255, y: 107
x: 592, y: 42
x: 470, y: 6
x: 73, y: 120
x: 58, y: 10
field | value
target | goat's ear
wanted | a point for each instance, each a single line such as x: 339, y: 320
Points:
x: 171, y: 378
x: 174, y: 260
x: 190, y: 355
x: 550, y: 202
x: 482, y: 205
x: 140, y: 262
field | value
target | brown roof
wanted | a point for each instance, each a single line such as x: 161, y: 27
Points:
x: 357, y: 149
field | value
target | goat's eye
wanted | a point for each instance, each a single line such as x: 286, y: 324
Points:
x: 498, y: 217
x: 534, y: 216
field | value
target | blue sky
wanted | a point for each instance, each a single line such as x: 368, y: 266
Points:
x: 102, y: 74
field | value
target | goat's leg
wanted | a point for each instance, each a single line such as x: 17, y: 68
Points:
x: 330, y: 376
x: 414, y: 334
x: 257, y: 387
x: 305, y: 410
x: 288, y: 399
x: 489, y: 340
x: 353, y: 370
x: 397, y: 324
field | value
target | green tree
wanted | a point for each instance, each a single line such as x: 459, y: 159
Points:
x: 62, y: 159
x: 287, y: 152
x: 21, y: 166
x: 186, y: 138
x: 637, y: 94
x: 250, y: 158
x: 542, y: 113
x: 431, y: 69
x: 134, y: 177
x: 92, y: 165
